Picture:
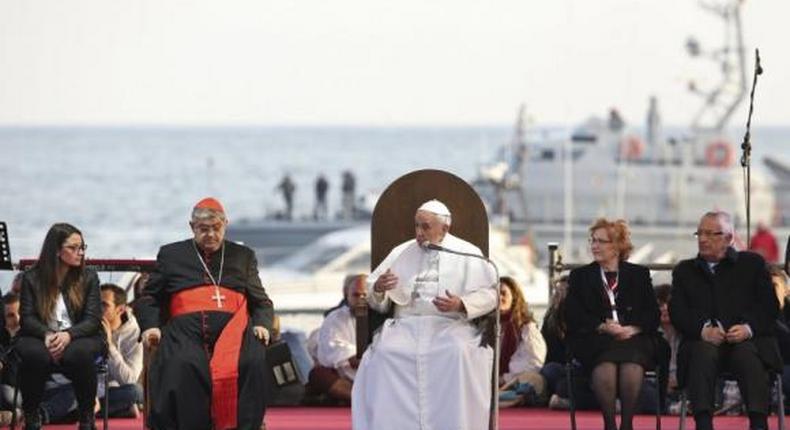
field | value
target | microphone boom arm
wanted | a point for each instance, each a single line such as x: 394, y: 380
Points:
x: 494, y: 412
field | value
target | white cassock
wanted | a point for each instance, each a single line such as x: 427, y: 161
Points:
x: 337, y: 341
x: 426, y: 369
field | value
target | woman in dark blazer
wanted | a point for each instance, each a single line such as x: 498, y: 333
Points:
x: 612, y: 316
x: 61, y: 314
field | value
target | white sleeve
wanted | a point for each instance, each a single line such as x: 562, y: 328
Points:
x: 530, y: 354
x: 336, y: 339
x: 125, y: 361
x: 381, y: 302
x: 481, y: 283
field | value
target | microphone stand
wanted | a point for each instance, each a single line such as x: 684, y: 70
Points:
x: 746, y: 146
x: 493, y: 423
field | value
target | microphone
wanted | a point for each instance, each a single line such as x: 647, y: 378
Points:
x: 757, y: 67
x: 435, y: 247
x: 432, y: 246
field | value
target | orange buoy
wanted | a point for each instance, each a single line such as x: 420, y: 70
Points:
x: 719, y: 153
x: 632, y: 148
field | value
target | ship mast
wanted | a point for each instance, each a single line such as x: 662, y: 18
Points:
x: 720, y: 102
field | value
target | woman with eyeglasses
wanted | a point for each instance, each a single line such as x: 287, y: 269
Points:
x: 61, y: 317
x: 612, y: 317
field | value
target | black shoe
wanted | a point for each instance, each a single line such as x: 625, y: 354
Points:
x: 758, y: 421
x: 87, y: 421
x: 86, y: 426
x: 32, y: 421
x: 703, y: 421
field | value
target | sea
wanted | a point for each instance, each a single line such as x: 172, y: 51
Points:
x: 131, y: 189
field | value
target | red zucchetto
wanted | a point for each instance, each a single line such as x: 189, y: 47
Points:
x: 210, y: 203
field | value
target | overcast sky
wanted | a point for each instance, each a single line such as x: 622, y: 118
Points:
x: 367, y: 62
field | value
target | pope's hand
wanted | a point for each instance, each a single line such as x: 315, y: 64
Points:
x: 151, y: 337
x: 385, y: 282
x: 451, y: 303
x: 261, y: 333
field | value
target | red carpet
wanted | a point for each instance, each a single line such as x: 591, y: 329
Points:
x: 510, y: 419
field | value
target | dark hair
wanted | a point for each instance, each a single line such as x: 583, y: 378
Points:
x: 46, y: 269
x: 520, y: 313
x: 554, y: 318
x: 10, y: 298
x: 663, y: 293
x: 118, y: 293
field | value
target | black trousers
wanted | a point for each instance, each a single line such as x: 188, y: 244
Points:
x: 742, y: 360
x: 77, y: 363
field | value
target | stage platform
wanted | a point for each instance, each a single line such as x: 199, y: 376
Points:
x: 298, y: 418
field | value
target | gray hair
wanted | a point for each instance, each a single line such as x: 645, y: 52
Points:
x: 201, y: 214
x: 725, y: 219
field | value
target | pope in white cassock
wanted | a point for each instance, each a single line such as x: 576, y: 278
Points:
x: 426, y: 368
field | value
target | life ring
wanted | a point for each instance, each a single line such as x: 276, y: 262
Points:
x: 719, y: 153
x: 632, y: 148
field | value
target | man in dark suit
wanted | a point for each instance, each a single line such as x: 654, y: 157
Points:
x: 724, y: 306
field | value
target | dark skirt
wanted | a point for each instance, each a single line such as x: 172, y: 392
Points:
x: 599, y: 348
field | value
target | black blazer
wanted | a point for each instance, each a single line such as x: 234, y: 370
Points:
x: 85, y: 323
x: 587, y: 306
x: 739, y: 292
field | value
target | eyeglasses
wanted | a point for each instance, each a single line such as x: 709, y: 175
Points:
x: 208, y: 228
x: 75, y: 248
x: 595, y: 240
x: 708, y: 233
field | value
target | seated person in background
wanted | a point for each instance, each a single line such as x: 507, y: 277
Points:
x: 336, y: 352
x: 779, y: 281
x: 553, y: 370
x: 9, y: 326
x: 725, y: 308
x: 612, y: 317
x: 138, y: 284
x: 426, y: 368
x: 125, y: 354
x: 667, y: 352
x: 522, y: 346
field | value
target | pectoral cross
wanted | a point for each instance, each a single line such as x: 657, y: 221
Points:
x: 219, y: 298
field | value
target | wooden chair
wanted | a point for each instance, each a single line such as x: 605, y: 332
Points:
x: 393, y: 224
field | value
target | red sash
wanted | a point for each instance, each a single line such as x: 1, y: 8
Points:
x: 224, y: 363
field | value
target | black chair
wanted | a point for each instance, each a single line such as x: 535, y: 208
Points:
x: 572, y: 364
x: 727, y: 376
x: 102, y: 371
